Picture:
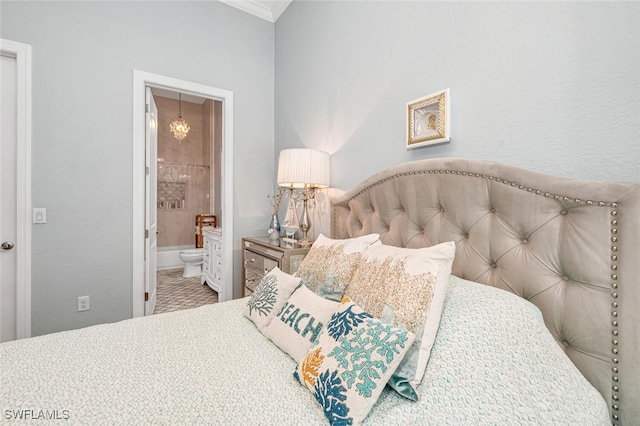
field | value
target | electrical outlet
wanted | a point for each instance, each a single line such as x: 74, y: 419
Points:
x: 83, y: 303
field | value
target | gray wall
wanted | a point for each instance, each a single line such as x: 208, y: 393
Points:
x: 84, y: 54
x: 548, y: 86
x: 552, y: 87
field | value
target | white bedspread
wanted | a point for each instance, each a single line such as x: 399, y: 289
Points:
x: 210, y: 365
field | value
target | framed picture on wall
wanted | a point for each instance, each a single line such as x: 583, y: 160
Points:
x: 428, y: 120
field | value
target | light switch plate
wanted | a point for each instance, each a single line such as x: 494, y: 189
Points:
x: 40, y: 215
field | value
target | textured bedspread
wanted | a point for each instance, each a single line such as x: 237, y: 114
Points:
x: 210, y: 365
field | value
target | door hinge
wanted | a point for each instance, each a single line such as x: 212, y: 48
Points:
x: 146, y: 107
x: 146, y: 169
x: 146, y: 296
x: 146, y: 233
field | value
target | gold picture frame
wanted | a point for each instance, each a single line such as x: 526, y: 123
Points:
x: 428, y: 120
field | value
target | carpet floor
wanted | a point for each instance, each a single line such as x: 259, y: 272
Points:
x: 175, y: 293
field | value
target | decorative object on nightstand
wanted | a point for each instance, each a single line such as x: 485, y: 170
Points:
x: 274, y: 225
x: 291, y: 224
x: 306, y: 170
x: 274, y: 237
x: 260, y: 257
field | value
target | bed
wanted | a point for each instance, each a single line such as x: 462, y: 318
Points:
x: 539, y: 321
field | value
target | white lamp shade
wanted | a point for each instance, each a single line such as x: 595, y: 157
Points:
x: 300, y: 167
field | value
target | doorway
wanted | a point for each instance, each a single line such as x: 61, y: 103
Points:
x: 15, y: 191
x: 188, y: 192
x: 142, y: 81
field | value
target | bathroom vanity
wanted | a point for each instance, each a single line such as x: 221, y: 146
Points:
x: 212, y: 259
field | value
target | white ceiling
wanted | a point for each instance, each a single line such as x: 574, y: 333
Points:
x: 265, y: 9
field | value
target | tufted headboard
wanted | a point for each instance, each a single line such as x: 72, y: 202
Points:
x: 571, y: 247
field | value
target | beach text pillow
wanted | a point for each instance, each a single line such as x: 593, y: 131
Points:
x: 299, y: 322
x: 269, y: 296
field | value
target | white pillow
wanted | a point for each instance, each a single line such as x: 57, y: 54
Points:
x: 405, y: 287
x: 299, y: 322
x: 349, y: 365
x: 269, y: 296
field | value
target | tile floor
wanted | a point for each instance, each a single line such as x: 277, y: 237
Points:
x: 175, y: 293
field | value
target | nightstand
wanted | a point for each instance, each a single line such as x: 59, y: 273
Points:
x: 260, y: 257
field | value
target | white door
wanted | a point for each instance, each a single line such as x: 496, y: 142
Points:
x: 15, y: 190
x: 151, y: 207
x: 8, y: 141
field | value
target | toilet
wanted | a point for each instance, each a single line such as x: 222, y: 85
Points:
x: 192, y: 262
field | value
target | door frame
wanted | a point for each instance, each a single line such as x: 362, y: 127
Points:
x: 22, y: 53
x: 141, y: 80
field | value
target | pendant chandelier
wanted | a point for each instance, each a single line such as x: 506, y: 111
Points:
x: 179, y: 127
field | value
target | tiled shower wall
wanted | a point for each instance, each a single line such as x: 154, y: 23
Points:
x: 184, y: 171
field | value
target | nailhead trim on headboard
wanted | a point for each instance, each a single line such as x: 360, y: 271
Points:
x: 614, y: 312
x: 615, y: 378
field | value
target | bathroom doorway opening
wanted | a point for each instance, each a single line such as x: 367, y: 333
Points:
x: 188, y: 185
x: 141, y: 167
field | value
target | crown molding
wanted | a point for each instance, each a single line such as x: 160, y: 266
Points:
x: 269, y: 10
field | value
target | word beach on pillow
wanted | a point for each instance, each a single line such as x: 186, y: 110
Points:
x: 299, y: 322
x: 349, y: 365
x: 270, y: 295
x: 329, y: 264
x: 406, y: 288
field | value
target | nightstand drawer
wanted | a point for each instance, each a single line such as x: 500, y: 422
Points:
x: 260, y: 257
x: 265, y: 250
x: 257, y: 263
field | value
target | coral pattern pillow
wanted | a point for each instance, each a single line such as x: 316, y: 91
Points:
x: 299, y: 322
x: 349, y: 365
x: 327, y: 268
x: 270, y: 295
x: 406, y: 288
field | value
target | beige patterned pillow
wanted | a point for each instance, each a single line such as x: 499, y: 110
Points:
x: 405, y: 288
x: 329, y: 265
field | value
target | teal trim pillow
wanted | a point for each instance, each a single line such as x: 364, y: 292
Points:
x: 405, y: 288
x: 349, y: 365
x: 269, y: 296
x: 329, y: 265
x: 299, y: 322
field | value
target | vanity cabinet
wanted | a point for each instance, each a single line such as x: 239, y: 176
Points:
x: 212, y: 259
x: 260, y: 257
